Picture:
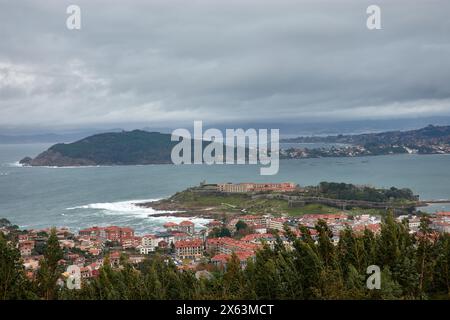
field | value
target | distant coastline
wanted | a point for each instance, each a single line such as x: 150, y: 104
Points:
x: 143, y: 148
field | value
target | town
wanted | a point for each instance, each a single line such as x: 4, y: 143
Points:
x: 199, y: 249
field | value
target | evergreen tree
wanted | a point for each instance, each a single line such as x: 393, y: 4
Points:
x: 13, y: 282
x: 441, y: 279
x: 325, y: 246
x: 49, y: 269
x: 425, y: 259
x: 233, y: 279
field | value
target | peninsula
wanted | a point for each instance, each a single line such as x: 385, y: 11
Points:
x: 428, y: 140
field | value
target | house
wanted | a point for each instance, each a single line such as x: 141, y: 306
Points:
x: 166, y: 237
x: 32, y: 263
x: 179, y: 236
x: 23, y: 237
x: 111, y: 233
x: 149, y: 240
x: 132, y: 242
x: 228, y: 245
x: 119, y: 234
x: 221, y: 260
x: 414, y: 223
x: 91, y: 232
x: 328, y: 218
x: 85, y: 272
x: 189, y: 249
x: 187, y: 227
x: 259, y: 228
x: 250, y: 220
x: 256, y: 187
x: 276, y: 223
x: 374, y: 227
x: 169, y: 226
x: 114, y: 259
x: 184, y: 226
x: 26, y: 247
x: 268, y: 239
x: 441, y: 226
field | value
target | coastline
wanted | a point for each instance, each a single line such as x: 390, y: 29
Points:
x: 19, y: 165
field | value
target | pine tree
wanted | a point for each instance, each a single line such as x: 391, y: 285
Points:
x: 325, y: 247
x: 425, y: 261
x: 441, y: 278
x: 233, y: 279
x: 388, y: 248
x: 49, y: 270
x: 13, y: 282
x: 309, y: 265
x: 351, y: 251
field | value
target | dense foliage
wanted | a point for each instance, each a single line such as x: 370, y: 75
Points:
x: 133, y: 147
x: 347, y: 191
x: 412, y: 267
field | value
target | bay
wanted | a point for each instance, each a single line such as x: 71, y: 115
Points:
x: 81, y: 197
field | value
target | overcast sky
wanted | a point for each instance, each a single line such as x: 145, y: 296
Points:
x: 163, y: 63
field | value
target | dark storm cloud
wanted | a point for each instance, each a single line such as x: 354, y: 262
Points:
x: 161, y: 62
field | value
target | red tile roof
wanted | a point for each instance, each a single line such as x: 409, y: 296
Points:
x: 223, y: 258
x: 253, y: 236
x: 325, y: 216
x: 170, y: 224
x: 189, y: 243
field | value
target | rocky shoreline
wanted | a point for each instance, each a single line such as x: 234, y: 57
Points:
x: 179, y: 210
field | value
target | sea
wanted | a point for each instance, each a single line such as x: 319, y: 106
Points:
x: 79, y: 197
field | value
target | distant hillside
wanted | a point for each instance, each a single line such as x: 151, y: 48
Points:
x: 135, y: 147
x: 428, y: 135
x: 428, y: 140
x: 116, y: 148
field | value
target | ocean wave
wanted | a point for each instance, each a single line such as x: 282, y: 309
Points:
x: 129, y: 213
x: 16, y: 164
x: 122, y: 208
x: 164, y: 219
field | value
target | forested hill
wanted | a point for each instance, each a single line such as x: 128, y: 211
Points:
x: 115, y: 148
x: 429, y: 135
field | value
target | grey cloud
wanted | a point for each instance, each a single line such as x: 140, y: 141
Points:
x: 163, y: 62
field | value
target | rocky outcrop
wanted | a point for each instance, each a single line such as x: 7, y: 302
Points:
x: 55, y: 159
x: 26, y: 161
